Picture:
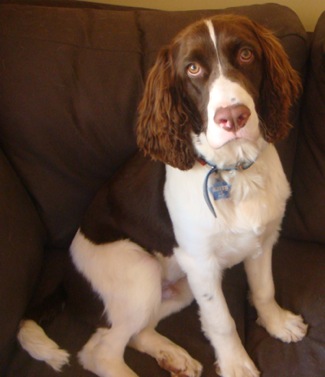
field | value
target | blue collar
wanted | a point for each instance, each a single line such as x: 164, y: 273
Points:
x: 239, y: 166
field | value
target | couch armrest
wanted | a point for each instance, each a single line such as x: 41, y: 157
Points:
x: 306, y: 212
x: 21, y: 255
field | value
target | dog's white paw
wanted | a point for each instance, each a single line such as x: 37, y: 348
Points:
x: 285, y: 326
x: 178, y: 362
x: 237, y: 366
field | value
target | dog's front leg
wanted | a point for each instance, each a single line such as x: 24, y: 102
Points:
x: 204, y: 276
x: 280, y: 323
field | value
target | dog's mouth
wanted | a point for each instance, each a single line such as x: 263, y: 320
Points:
x: 233, y: 150
x: 222, y: 143
x: 218, y: 138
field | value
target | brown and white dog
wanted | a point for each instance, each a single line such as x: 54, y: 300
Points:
x: 206, y: 192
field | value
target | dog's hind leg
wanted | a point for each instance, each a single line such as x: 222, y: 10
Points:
x: 128, y: 280
x: 103, y: 353
x: 168, y: 355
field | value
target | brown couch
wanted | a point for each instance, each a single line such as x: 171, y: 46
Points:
x: 71, y: 75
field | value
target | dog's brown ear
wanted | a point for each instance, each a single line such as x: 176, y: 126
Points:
x: 280, y: 89
x: 164, y: 124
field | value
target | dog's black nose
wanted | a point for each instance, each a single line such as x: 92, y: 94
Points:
x: 232, y: 118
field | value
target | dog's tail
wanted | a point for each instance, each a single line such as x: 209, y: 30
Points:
x: 33, y: 339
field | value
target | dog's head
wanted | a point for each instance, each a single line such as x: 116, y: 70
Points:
x: 222, y: 85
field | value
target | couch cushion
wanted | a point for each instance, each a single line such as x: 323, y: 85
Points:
x: 307, y: 211
x: 21, y: 254
x: 70, y: 83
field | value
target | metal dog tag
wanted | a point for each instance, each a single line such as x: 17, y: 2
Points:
x: 220, y: 189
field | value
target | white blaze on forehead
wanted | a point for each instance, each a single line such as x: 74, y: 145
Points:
x: 211, y: 32
x: 213, y: 37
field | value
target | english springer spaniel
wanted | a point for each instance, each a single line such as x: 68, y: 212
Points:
x: 206, y: 191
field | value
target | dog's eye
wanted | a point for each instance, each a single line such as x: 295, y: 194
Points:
x: 194, y: 69
x: 245, y: 55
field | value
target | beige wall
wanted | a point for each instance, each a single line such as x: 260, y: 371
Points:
x: 307, y: 10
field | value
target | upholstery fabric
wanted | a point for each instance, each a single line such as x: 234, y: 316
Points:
x: 69, y: 76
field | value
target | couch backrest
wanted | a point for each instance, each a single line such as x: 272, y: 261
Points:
x: 70, y: 82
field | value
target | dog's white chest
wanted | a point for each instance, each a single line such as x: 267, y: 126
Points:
x: 252, y: 211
